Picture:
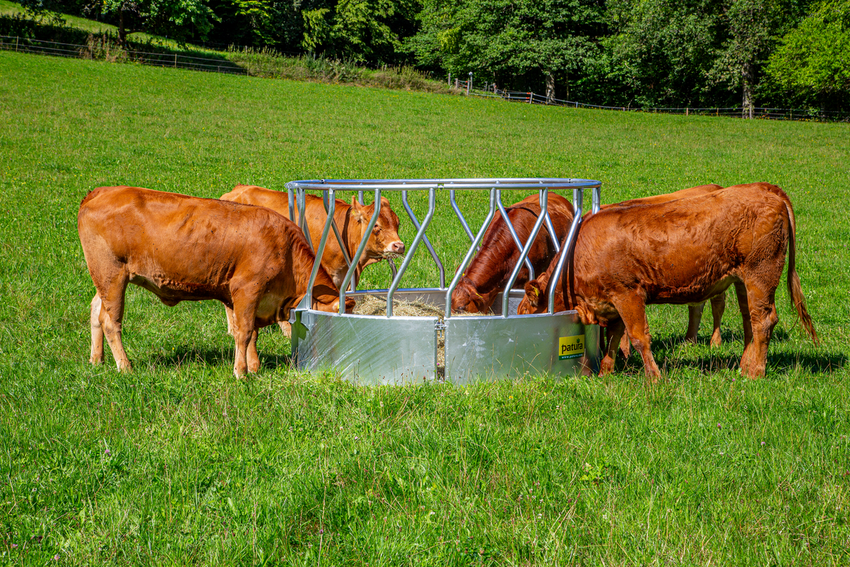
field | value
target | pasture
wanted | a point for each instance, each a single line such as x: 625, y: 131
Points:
x: 180, y: 463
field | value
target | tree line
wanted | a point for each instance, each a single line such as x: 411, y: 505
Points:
x: 637, y: 53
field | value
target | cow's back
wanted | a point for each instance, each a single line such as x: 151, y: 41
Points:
x: 681, y: 248
x: 187, y: 247
x: 667, y: 197
x: 261, y: 197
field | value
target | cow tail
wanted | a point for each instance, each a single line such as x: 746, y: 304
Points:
x: 795, y: 288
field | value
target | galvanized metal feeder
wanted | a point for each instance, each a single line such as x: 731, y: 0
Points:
x: 392, y: 349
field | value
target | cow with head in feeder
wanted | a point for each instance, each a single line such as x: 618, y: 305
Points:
x: 682, y: 252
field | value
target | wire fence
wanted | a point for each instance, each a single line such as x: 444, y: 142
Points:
x: 490, y: 91
x: 99, y: 48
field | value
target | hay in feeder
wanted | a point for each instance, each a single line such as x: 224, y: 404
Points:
x: 377, y: 305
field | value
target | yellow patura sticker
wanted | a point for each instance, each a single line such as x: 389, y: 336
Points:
x: 570, y: 347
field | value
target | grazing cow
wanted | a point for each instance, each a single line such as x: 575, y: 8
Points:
x: 185, y: 248
x: 351, y: 220
x: 684, y: 251
x: 718, y: 302
x: 489, y: 270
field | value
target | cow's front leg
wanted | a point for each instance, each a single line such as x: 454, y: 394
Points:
x: 286, y: 327
x: 694, y: 318
x: 253, y: 358
x: 718, y: 306
x: 245, y: 336
x: 230, y: 320
x: 632, y: 310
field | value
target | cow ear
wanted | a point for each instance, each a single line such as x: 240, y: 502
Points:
x: 356, y: 210
x: 384, y: 202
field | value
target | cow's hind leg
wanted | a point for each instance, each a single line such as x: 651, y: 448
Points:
x: 615, y: 332
x: 96, y: 331
x: 763, y: 318
x: 625, y: 345
x: 110, y: 316
x: 632, y: 309
x: 718, y: 306
x: 744, y: 307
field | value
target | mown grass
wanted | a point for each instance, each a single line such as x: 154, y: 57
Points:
x: 179, y: 463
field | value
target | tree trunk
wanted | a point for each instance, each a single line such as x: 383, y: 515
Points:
x: 550, y: 87
x: 122, y: 30
x: 747, y: 81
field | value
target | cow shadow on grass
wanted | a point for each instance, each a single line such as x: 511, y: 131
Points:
x: 182, y: 356
x: 729, y: 335
x: 668, y: 354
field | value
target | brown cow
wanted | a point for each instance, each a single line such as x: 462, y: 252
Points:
x: 351, y: 220
x: 718, y: 302
x: 489, y: 270
x: 685, y: 251
x: 185, y: 248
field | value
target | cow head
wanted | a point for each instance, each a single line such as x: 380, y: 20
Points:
x: 466, y: 299
x: 333, y: 306
x: 588, y: 315
x: 384, y: 241
x: 535, y: 298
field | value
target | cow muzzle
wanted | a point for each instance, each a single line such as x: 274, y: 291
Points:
x: 394, y: 249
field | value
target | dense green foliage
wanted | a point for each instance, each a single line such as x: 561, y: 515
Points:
x: 644, y: 53
x: 178, y: 463
x: 812, y: 66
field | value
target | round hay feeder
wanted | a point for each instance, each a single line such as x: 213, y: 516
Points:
x: 399, y: 349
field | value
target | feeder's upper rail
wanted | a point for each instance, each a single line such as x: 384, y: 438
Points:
x: 461, y: 184
x: 329, y: 187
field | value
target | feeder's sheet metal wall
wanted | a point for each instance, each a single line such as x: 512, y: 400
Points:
x: 491, y: 348
x: 366, y: 349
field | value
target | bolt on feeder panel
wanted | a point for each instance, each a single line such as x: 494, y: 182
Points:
x: 393, y: 349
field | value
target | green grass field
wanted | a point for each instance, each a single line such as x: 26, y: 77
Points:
x: 180, y: 463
